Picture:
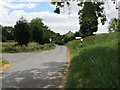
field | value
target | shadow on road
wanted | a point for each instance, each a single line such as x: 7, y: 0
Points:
x: 50, y: 76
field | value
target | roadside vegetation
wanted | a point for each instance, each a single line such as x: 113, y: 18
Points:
x: 26, y: 36
x: 95, y: 64
x: 3, y: 62
x: 13, y: 48
x: 24, y: 32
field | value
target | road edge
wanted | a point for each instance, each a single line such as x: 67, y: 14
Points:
x: 66, y: 71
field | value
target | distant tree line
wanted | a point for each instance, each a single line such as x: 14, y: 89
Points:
x: 24, y: 32
x: 114, y: 26
x: 62, y: 39
x: 6, y: 33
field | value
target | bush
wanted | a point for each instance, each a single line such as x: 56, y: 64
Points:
x: 3, y: 62
x: 11, y: 48
x: 68, y: 38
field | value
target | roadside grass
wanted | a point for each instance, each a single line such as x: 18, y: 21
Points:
x: 12, y: 48
x: 3, y: 62
x: 95, y: 64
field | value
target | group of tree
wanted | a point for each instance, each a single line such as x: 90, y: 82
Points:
x: 62, y: 39
x: 24, y: 32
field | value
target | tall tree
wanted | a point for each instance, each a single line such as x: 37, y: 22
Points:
x: 37, y: 35
x: 88, y: 17
x: 22, y: 33
x: 43, y: 32
x: 36, y: 26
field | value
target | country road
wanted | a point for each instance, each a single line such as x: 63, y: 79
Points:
x: 35, y: 69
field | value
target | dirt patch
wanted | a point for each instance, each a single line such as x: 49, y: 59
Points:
x: 3, y: 68
x: 65, y: 73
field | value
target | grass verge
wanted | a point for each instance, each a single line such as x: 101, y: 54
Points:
x: 12, y: 48
x: 95, y: 64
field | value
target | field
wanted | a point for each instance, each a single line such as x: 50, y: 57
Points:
x: 13, y: 48
x: 95, y: 64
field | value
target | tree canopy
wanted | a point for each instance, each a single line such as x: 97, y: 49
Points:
x: 36, y: 26
x: 40, y: 32
x: 91, y: 11
x: 22, y: 33
x: 88, y: 17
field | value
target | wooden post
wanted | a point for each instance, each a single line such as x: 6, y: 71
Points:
x: 81, y: 42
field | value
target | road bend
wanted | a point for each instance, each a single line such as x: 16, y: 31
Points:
x: 35, y: 69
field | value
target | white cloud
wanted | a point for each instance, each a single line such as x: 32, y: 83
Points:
x: 111, y: 12
x: 15, y: 6
x: 5, y: 6
x: 57, y: 22
x: 61, y: 23
x: 3, y: 14
x: 27, y: 0
x: 73, y: 8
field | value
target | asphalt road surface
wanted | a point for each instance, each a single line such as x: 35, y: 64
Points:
x: 35, y: 69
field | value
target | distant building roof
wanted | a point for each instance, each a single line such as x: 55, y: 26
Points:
x: 69, y: 33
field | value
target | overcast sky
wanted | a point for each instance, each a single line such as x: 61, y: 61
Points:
x: 12, y: 10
